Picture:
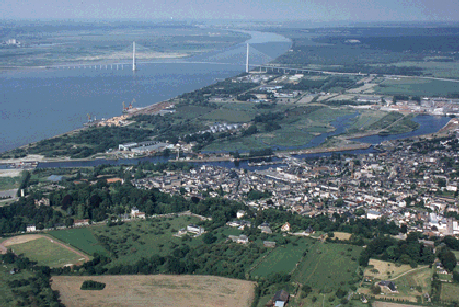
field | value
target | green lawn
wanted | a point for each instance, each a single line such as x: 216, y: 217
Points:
x: 46, y: 253
x: 82, y: 238
x: 281, y: 259
x: 329, y: 266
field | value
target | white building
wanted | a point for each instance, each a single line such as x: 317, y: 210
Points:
x: 373, y: 215
x: 31, y: 228
x: 194, y: 229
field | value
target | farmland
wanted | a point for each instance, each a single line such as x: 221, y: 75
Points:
x: 156, y: 290
x: 82, y: 238
x: 45, y: 252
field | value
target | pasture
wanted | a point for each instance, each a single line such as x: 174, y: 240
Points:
x: 46, y: 252
x: 82, y: 238
x: 449, y: 292
x: 282, y: 259
x: 328, y: 267
x: 156, y: 291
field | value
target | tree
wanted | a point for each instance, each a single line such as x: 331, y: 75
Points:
x: 403, y: 228
x: 208, y: 238
x: 448, y: 260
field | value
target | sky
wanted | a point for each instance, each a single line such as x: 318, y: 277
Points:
x: 314, y: 10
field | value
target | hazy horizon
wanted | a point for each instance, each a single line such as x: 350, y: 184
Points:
x: 287, y: 10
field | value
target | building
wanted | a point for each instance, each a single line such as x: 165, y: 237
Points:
x: 126, y: 147
x: 280, y: 298
x: 285, y: 227
x: 240, y: 214
x: 114, y: 180
x: 137, y: 214
x: 195, y: 229
x: 388, y: 284
x: 81, y: 222
x: 373, y: 215
x: 242, y: 239
x: 31, y: 228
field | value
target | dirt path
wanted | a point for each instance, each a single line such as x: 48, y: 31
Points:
x: 28, y: 238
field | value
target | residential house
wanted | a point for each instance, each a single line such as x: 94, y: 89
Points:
x: 285, y: 227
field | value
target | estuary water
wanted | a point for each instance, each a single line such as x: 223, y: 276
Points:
x: 39, y: 103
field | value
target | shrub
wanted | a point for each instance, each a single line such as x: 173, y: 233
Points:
x: 92, y: 285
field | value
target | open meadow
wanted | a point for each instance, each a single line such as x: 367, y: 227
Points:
x: 156, y: 291
x: 44, y: 250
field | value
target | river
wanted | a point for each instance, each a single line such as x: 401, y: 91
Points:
x: 40, y: 103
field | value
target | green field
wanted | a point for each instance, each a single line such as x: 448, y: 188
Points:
x: 417, y: 87
x: 82, y: 238
x: 329, y: 266
x: 46, y: 253
x: 449, y: 292
x: 281, y: 259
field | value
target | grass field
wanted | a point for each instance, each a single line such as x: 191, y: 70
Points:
x: 82, y: 238
x: 156, y: 291
x: 449, y: 292
x: 46, y: 252
x: 378, y: 269
x: 329, y: 266
x: 281, y: 259
x: 417, y: 87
